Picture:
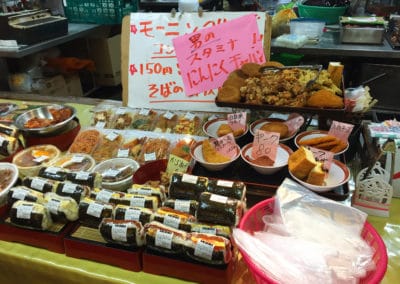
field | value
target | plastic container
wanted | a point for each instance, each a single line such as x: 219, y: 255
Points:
x: 328, y: 14
x: 98, y: 11
x: 312, y: 28
x: 252, y: 222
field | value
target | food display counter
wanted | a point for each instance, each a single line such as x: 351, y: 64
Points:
x: 19, y: 262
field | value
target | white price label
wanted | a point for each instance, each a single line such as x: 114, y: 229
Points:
x: 120, y: 111
x: 24, y: 211
x: 52, y: 170
x: 144, y: 191
x: 168, y: 115
x: 77, y: 159
x: 189, y: 178
x: 204, y: 250
x: 38, y: 184
x: 95, y: 209
x: 101, y: 124
x: 69, y: 188
x: 20, y: 193
x: 53, y: 205
x: 112, y: 136
x: 119, y: 232
x: 163, y: 239
x: 82, y: 175
x: 111, y: 173
x: 207, y: 230
x: 218, y: 198
x: 132, y: 214
x: 150, y: 157
x: 40, y: 159
x: 123, y: 153
x: 182, y: 205
x: 137, y: 201
x: 104, y: 195
x: 225, y: 183
x: 144, y: 111
x: 189, y: 116
x: 172, y: 221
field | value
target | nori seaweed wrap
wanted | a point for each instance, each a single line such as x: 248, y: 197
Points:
x: 24, y: 193
x: 173, y: 218
x: 54, y: 173
x: 124, y: 212
x: 30, y: 215
x: 106, y: 195
x: 76, y: 191
x: 61, y: 208
x: 137, y: 200
x: 212, y: 229
x: 40, y: 184
x: 185, y: 186
x: 233, y: 189
x: 143, y: 189
x: 187, y: 206
x: 122, y: 232
x: 85, y: 178
x: 91, y: 212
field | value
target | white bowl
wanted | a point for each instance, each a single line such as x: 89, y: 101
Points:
x: 211, y: 127
x: 196, y: 151
x: 281, y: 161
x: 338, y: 175
x: 115, y: 164
x: 315, y: 134
x: 5, y: 188
x: 256, y: 125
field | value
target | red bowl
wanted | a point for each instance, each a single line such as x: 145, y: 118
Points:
x: 150, y: 171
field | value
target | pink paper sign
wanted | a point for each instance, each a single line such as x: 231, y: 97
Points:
x: 208, y: 55
x: 341, y: 130
x: 237, y: 120
x: 294, y: 122
x: 226, y: 145
x: 322, y: 156
x: 265, y: 143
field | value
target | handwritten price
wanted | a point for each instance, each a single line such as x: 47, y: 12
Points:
x: 265, y: 144
x: 237, y: 120
x: 341, y: 130
x: 226, y: 145
x: 322, y: 156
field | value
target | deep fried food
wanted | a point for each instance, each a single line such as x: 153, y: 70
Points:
x: 328, y: 145
x: 251, y: 69
x: 317, y: 140
x: 238, y: 73
x: 325, y: 98
x: 339, y: 147
x: 276, y: 126
x: 235, y: 82
x: 272, y: 64
x: 211, y: 155
x: 225, y: 129
x: 229, y: 94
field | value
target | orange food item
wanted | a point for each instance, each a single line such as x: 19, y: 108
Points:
x: 278, y: 127
x: 85, y: 142
x: 325, y: 98
x: 301, y: 162
x: 211, y: 155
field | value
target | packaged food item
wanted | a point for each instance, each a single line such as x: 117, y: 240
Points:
x: 9, y: 130
x: 36, y: 156
x: 40, y: 184
x: 143, y: 189
x: 108, y: 147
x: 54, y: 173
x: 8, y: 145
x: 141, y: 214
x: 85, y: 178
x: 165, y: 239
x: 144, y: 119
x: 182, y: 149
x: 188, y: 124
x: 219, y: 209
x: 75, y: 162
x: 116, y: 169
x: 61, y: 208
x: 174, y: 218
x: 233, y: 189
x: 24, y: 193
x: 122, y: 232
x: 30, y: 215
x: 154, y: 149
x: 106, y: 195
x: 86, y: 141
x: 134, y: 146
x: 185, y: 186
x: 210, y: 249
x: 102, y: 116
x: 123, y: 118
x: 91, y: 212
x: 137, y: 200
x: 212, y: 229
x: 166, y: 122
x: 187, y: 206
x: 76, y: 191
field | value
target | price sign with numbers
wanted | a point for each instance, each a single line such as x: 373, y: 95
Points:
x: 341, y: 130
x: 237, y: 120
x: 265, y: 144
x: 226, y: 145
x: 177, y: 164
x: 322, y: 156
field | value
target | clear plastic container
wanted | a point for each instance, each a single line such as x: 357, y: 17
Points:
x: 312, y: 28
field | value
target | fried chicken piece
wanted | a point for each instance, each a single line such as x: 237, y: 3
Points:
x: 325, y: 99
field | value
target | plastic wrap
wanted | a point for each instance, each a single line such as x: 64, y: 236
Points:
x: 61, y: 208
x: 174, y: 219
x: 123, y: 232
x: 24, y: 193
x: 124, y: 212
x: 91, y: 212
x: 142, y: 189
x: 76, y: 191
x: 187, y: 206
x: 189, y: 187
x: 40, y: 184
x: 30, y: 215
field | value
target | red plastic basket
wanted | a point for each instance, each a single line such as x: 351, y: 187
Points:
x: 252, y: 222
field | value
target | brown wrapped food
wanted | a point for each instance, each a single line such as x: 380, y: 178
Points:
x: 122, y: 232
x: 30, y: 215
x: 91, y: 212
x: 141, y: 214
x: 76, y: 191
x: 276, y: 126
x: 187, y: 206
x: 251, y: 69
x: 174, y: 218
x: 108, y: 147
x: 229, y: 94
x: 154, y: 149
x: 106, y: 195
x: 185, y: 186
x: 40, y: 184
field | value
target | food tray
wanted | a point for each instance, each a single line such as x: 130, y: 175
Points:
x: 87, y: 243
x: 52, y: 239
x: 160, y: 264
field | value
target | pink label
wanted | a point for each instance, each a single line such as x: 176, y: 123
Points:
x: 294, y: 122
x: 341, y: 130
x: 265, y: 144
x: 226, y: 145
x: 322, y: 156
x: 237, y: 120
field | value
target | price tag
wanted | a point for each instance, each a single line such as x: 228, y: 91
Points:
x: 82, y: 175
x: 163, y: 239
x: 322, y: 156
x: 168, y: 115
x: 226, y: 145
x: 24, y: 211
x: 237, y: 120
x: 208, y: 230
x: 294, y: 122
x: 145, y: 191
x: 77, y: 158
x: 172, y: 221
x: 204, y: 250
x: 182, y: 205
x: 265, y: 144
x: 132, y: 214
x: 177, y: 164
x: 225, y: 183
x: 150, y: 157
x: 119, y: 232
x: 218, y: 198
x: 38, y: 184
x: 104, y: 195
x: 95, y: 209
x: 52, y: 170
x: 120, y: 111
x: 144, y: 111
x: 40, y: 159
x: 123, y: 153
x: 189, y: 116
x: 111, y: 173
x: 20, y: 193
x: 69, y: 188
x: 101, y: 124
x: 112, y: 136
x: 189, y: 178
x: 341, y: 130
x: 137, y: 201
x: 53, y: 205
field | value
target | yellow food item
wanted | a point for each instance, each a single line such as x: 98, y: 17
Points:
x: 316, y: 175
x: 301, y: 162
x: 224, y: 129
x: 335, y: 69
x: 325, y: 98
x: 211, y: 155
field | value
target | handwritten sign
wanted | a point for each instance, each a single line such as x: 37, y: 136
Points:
x: 226, y: 145
x: 154, y: 75
x: 341, y: 130
x: 322, y: 156
x: 237, y: 120
x: 265, y: 144
x: 207, y: 56
x: 176, y: 164
x: 294, y: 122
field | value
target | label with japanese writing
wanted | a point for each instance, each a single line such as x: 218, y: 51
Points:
x: 145, y: 191
x: 265, y: 144
x: 132, y: 214
x: 226, y: 145
x: 163, y: 239
x: 38, y: 184
x: 120, y: 111
x: 112, y: 136
x: 189, y: 178
x: 24, y: 211
x: 237, y: 120
x: 104, y: 195
x: 144, y: 112
x: 77, y: 159
x: 119, y: 232
x: 208, y: 230
x: 155, y: 79
x: 322, y: 156
x: 168, y: 115
x: 111, y: 173
x: 40, y: 159
x: 82, y: 175
x: 204, y: 250
x: 53, y: 205
x: 225, y: 183
x: 182, y: 205
x: 150, y: 157
x: 20, y: 193
x: 341, y: 130
x: 123, y: 153
x: 219, y: 198
x: 172, y: 221
x: 52, y: 170
x: 189, y: 116
x: 294, y: 123
x: 100, y: 124
x: 177, y: 164
x: 69, y: 187
x: 95, y: 209
x: 137, y: 201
